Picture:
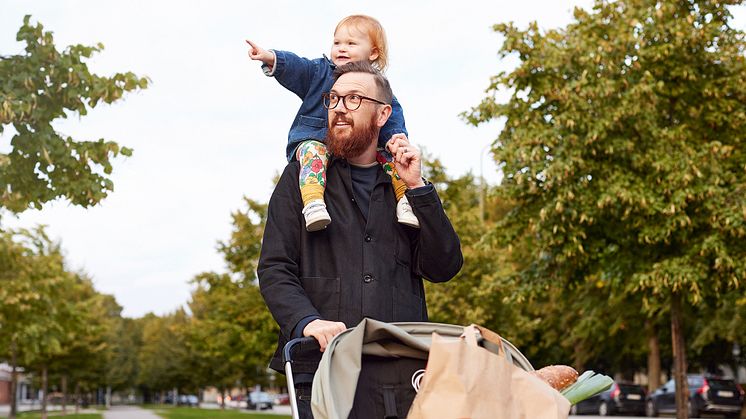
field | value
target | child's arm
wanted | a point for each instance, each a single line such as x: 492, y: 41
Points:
x: 258, y: 53
x: 291, y: 71
x: 394, y: 125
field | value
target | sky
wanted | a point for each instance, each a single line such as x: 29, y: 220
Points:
x: 211, y: 128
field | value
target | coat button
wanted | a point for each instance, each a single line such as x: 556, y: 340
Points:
x: 367, y: 278
x: 368, y: 239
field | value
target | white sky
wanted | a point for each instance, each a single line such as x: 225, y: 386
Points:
x: 212, y: 128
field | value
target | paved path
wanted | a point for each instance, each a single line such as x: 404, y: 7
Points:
x: 129, y: 412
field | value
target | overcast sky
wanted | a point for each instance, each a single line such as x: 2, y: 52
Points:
x: 212, y: 128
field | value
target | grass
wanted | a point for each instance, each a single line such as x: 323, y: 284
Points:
x: 196, y: 413
x: 37, y: 415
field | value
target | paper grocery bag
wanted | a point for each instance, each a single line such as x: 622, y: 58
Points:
x: 463, y: 380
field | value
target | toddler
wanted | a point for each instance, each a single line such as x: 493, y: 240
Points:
x: 356, y: 38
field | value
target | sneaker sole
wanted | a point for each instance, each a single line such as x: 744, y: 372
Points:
x: 318, y: 224
x: 409, y: 222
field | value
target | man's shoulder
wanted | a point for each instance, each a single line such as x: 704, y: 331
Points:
x: 289, y: 173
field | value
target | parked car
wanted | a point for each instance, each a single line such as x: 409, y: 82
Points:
x: 259, y: 400
x: 188, y: 400
x: 282, y: 399
x: 706, y: 395
x: 619, y: 398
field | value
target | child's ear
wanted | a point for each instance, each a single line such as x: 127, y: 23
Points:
x: 374, y: 54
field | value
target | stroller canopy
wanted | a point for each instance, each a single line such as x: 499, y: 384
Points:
x: 335, y: 382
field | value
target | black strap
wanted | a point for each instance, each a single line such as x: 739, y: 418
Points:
x: 389, y: 402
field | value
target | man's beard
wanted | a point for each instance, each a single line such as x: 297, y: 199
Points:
x: 354, y: 144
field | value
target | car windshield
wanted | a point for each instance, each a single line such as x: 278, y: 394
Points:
x: 695, y: 381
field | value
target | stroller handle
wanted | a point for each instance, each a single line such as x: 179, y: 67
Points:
x: 304, y: 344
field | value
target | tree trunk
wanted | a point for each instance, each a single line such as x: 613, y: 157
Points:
x: 77, y: 398
x: 222, y: 399
x: 13, y: 382
x: 108, y: 397
x: 176, y: 397
x: 44, y: 389
x: 654, y: 356
x: 679, y: 358
x: 579, y: 356
x: 64, y: 394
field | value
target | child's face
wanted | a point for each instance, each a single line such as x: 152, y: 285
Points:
x: 351, y: 45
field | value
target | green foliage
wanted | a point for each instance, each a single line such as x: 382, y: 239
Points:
x: 164, y: 358
x: 622, y: 148
x: 622, y: 155
x: 33, y: 322
x: 232, y: 332
x: 241, y: 251
x: 42, y: 85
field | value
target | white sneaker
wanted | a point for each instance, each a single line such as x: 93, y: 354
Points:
x: 404, y: 213
x: 316, y: 215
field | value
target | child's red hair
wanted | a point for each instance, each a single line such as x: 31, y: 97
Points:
x: 371, y: 27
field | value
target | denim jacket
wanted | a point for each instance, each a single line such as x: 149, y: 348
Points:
x: 309, y: 79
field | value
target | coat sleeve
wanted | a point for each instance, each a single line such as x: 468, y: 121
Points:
x: 279, y: 260
x: 294, y: 73
x: 437, y: 255
x: 394, y: 125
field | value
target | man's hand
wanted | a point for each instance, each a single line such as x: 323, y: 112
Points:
x: 407, y: 160
x: 324, y: 331
x: 260, y: 54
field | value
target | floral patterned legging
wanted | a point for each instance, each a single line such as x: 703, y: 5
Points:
x: 313, y: 157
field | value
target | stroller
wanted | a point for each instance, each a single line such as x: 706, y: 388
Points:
x: 373, y: 370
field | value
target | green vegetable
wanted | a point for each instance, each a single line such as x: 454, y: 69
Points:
x: 587, y: 385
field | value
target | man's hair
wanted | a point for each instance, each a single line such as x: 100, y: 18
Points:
x: 382, y: 83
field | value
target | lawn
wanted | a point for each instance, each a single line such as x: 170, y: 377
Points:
x: 37, y: 415
x: 196, y: 413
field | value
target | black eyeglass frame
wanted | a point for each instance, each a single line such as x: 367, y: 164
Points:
x: 326, y: 100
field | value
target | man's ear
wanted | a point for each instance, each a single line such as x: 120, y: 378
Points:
x: 384, y: 112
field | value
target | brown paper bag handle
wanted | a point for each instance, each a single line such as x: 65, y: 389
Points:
x: 470, y: 335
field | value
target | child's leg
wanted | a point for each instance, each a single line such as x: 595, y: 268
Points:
x: 313, y: 158
x: 404, y: 211
x: 386, y: 160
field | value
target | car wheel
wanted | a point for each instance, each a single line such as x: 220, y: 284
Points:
x: 650, y: 409
x: 603, y: 409
x: 573, y: 410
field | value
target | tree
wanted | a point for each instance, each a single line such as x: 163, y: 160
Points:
x: 232, y: 331
x: 622, y: 150
x: 164, y: 357
x: 39, y: 86
x: 33, y: 321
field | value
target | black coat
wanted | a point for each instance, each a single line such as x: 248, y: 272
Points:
x: 353, y: 269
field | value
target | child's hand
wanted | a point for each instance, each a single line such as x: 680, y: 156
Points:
x: 260, y: 54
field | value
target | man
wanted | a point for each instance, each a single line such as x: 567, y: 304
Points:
x: 365, y: 263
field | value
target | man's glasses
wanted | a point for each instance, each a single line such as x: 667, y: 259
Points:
x: 351, y: 102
